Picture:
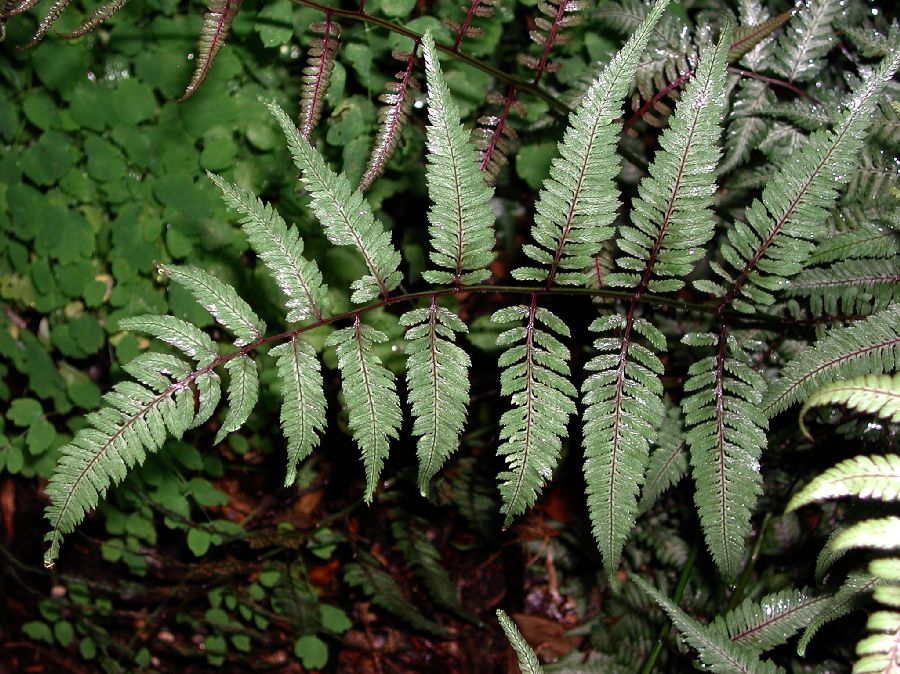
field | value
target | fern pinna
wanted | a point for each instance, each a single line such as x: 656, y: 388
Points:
x: 653, y: 399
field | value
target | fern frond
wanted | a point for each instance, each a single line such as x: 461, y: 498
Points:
x: 534, y: 373
x: 183, y: 336
x: 876, y: 174
x: 135, y: 420
x: 668, y: 462
x: 871, y: 346
x: 281, y: 249
x: 717, y: 652
x: 303, y: 406
x: 848, y: 288
x: 858, y: 585
x: 774, y: 243
x: 672, y: 219
x: 880, y: 534
x: 243, y: 392
x: 345, y: 215
x: 870, y: 394
x: 746, y: 128
x: 869, y: 41
x: 220, y: 300
x: 578, y: 202
x: 461, y: 219
x: 370, y: 395
x: 98, y: 16
x: 314, y: 83
x: 749, y: 35
x: 437, y: 375
x: 392, y: 117
x: 368, y: 575
x: 154, y: 370
x: 425, y: 561
x: 865, y: 242
x: 213, y: 32
x: 623, y: 401
x: 876, y: 477
x: 670, y: 223
x: 769, y: 622
x: 808, y: 38
x: 726, y: 439
x: 547, y: 31
x: 528, y: 661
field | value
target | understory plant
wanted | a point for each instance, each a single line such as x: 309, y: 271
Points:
x: 666, y: 311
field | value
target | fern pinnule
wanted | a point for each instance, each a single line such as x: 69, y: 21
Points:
x: 392, y: 117
x: 368, y: 574
x: 855, y: 588
x: 871, y: 346
x: 494, y: 132
x: 437, y: 374
x: 866, y: 241
x: 184, y: 336
x: 746, y: 127
x: 303, y: 401
x: 869, y: 394
x: 535, y: 374
x: 370, y: 395
x: 726, y: 437
x: 578, y: 201
x: 345, y: 215
x: 753, y: 32
x: 316, y: 75
x: 98, y: 16
x: 217, y: 21
x: 220, y: 300
x: 281, y: 249
x: 528, y: 661
x: 869, y: 477
x: 482, y: 9
x: 243, y: 392
x: 461, y: 219
x: 807, y: 39
x: 848, y: 288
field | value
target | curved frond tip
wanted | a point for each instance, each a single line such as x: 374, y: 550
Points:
x: 213, y: 32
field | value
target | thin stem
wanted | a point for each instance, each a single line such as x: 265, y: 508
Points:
x: 774, y: 81
x: 519, y: 83
x: 650, y: 662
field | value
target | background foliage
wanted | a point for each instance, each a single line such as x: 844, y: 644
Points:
x: 201, y: 558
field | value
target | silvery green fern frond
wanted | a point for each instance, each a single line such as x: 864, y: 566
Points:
x: 345, y: 215
x: 461, y: 219
x: 437, y: 375
x: 577, y: 205
x: 370, y: 395
x: 535, y: 374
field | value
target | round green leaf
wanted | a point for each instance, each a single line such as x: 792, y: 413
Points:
x: 312, y: 651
